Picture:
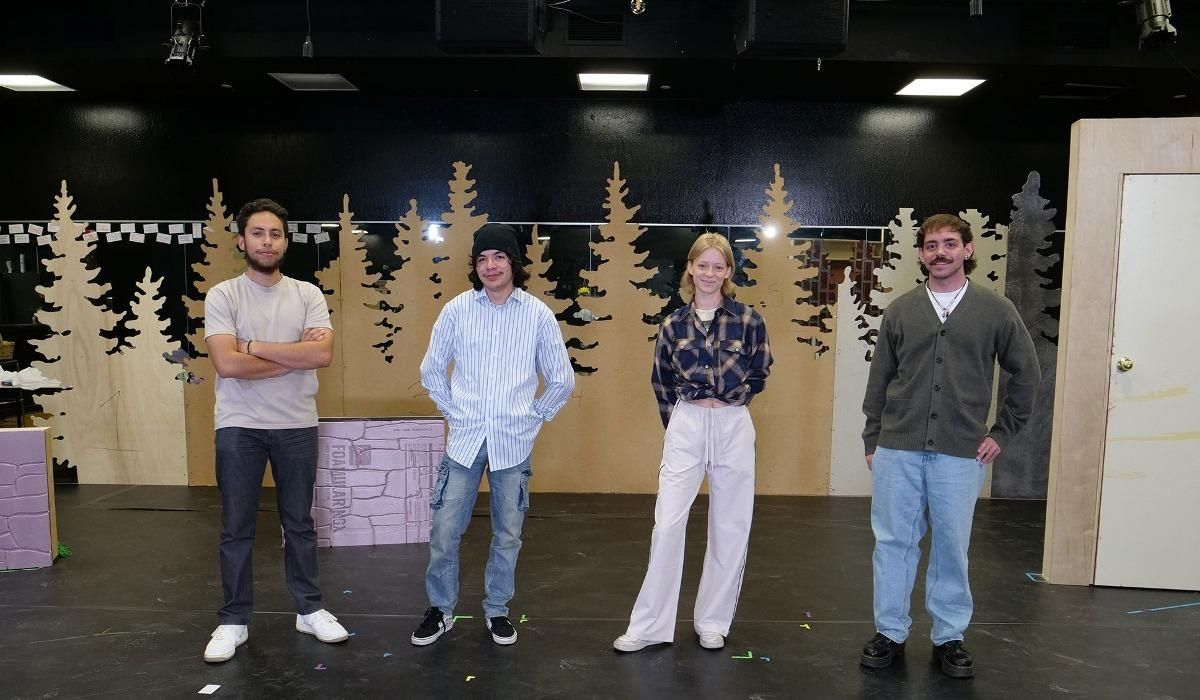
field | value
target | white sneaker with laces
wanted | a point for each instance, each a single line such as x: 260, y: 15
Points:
x: 712, y: 640
x: 225, y: 641
x: 322, y: 625
x: 627, y: 643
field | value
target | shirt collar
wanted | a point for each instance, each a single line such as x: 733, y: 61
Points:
x: 518, y: 295
x: 728, y: 306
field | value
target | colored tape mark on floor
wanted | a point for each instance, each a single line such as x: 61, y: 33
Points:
x: 749, y: 655
x: 1165, y: 607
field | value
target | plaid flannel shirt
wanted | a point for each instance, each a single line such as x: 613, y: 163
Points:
x: 730, y: 362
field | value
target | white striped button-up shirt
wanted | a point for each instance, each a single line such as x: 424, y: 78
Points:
x: 498, y: 352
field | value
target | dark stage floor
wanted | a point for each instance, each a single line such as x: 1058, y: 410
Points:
x: 129, y: 612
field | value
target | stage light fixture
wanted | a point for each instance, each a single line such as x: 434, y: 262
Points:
x: 1154, y: 19
x: 637, y: 7
x: 187, y: 22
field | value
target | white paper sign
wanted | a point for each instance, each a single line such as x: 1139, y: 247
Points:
x: 293, y: 227
x: 197, y: 230
x: 137, y: 237
x: 150, y: 228
x: 21, y: 238
x: 233, y: 227
x: 52, y: 227
x: 299, y: 238
x: 36, y: 229
x: 103, y: 228
x: 321, y: 237
x: 175, y: 228
x: 113, y: 236
x: 128, y: 228
x: 208, y: 689
x: 5, y: 239
x: 16, y: 228
x: 185, y: 238
x: 163, y: 238
x: 312, y: 228
x: 43, y: 240
x: 90, y: 237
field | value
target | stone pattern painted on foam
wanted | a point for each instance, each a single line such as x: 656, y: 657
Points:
x: 24, y: 502
x: 374, y: 480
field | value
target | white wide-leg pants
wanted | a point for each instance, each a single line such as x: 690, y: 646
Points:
x: 718, y: 442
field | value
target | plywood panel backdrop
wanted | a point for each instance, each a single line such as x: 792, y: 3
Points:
x: 609, y: 436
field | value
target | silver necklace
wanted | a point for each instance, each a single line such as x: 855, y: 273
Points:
x: 945, y: 307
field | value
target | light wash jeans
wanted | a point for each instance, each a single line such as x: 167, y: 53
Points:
x: 452, y: 502
x: 903, y: 485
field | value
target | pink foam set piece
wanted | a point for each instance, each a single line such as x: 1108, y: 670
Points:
x: 374, y: 479
x: 28, y: 531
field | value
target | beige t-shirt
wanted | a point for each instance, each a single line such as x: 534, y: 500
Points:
x: 277, y: 314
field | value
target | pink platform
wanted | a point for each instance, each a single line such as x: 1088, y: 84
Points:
x: 28, y: 534
x: 374, y: 479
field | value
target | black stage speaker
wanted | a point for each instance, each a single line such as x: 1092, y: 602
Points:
x: 799, y: 28
x: 491, y: 26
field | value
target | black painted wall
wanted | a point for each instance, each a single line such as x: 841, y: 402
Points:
x: 686, y: 162
x: 534, y: 160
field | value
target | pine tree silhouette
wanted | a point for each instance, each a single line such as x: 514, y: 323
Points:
x: 76, y: 311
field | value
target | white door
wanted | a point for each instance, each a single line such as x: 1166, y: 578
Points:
x: 1150, y: 494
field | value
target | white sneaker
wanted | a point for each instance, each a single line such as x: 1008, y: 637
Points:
x: 627, y: 643
x: 322, y: 625
x: 712, y: 640
x: 225, y: 641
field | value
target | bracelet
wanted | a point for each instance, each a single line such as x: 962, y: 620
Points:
x: 248, y: 344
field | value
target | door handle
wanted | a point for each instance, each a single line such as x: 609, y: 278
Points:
x: 1124, y: 364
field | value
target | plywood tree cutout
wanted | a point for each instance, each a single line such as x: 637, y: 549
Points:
x: 1036, y: 222
x: 900, y: 272
x: 148, y: 403
x: 848, y: 475
x: 991, y: 256
x: 617, y: 395
x: 991, y: 250
x: 459, y: 233
x: 539, y: 284
x: 76, y: 353
x: 1034, y: 282
x: 418, y: 297
x: 858, y: 318
x: 782, y: 271
x: 221, y: 260
x: 331, y: 398
x: 794, y: 459
x: 362, y: 332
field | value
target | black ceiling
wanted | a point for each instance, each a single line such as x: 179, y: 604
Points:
x: 1080, y: 55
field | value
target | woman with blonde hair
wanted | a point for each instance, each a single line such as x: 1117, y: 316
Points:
x: 712, y: 357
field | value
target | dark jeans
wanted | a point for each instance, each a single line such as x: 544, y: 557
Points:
x: 242, y: 455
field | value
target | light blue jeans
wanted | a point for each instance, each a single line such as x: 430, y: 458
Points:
x: 903, y: 485
x: 452, y: 501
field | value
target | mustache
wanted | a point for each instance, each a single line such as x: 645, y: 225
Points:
x: 935, y: 261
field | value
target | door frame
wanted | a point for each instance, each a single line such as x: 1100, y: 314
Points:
x: 1103, y: 152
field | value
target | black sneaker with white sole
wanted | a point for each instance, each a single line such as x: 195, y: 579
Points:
x: 502, y: 630
x: 433, y: 626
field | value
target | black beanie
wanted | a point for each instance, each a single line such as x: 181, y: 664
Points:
x: 499, y: 237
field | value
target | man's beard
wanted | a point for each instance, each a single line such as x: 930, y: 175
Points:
x: 264, y: 269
